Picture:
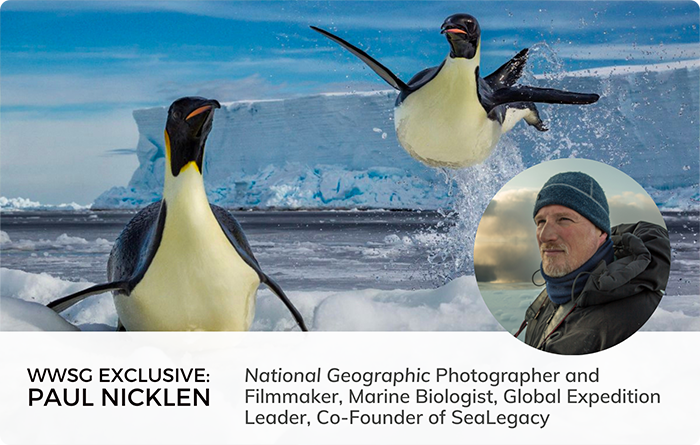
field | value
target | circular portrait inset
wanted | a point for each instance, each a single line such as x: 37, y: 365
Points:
x: 572, y: 256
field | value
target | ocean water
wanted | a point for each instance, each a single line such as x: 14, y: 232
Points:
x: 310, y: 250
x: 344, y: 270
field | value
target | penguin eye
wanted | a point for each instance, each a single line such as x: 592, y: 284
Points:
x: 176, y: 115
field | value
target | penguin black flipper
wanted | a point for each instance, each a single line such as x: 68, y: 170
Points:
x: 377, y: 67
x: 131, y: 255
x: 233, y: 231
x: 64, y: 303
x: 277, y: 290
x: 135, y: 248
x: 523, y: 93
x: 508, y: 73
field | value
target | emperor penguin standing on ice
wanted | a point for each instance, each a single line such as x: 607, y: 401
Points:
x: 448, y: 115
x: 182, y: 264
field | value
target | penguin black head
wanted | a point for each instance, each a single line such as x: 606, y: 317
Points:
x: 186, y: 131
x: 463, y: 33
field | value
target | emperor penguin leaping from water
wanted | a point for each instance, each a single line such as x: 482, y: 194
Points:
x: 448, y: 115
x: 182, y: 264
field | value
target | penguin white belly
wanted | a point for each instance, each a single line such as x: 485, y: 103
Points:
x: 443, y: 123
x: 196, y: 281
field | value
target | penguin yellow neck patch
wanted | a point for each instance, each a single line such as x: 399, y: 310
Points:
x: 190, y: 164
x: 167, y: 147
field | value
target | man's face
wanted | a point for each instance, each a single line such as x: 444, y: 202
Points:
x: 566, y: 239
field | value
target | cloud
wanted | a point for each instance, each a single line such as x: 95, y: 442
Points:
x: 632, y: 199
x: 630, y: 207
x: 505, y: 249
x: 512, y: 209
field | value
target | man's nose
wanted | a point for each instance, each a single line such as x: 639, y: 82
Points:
x: 547, y: 233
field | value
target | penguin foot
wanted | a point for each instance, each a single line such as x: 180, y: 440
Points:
x: 522, y: 110
x: 540, y: 126
x: 533, y: 117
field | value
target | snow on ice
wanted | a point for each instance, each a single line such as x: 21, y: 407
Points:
x: 457, y: 306
x: 12, y: 204
x: 63, y: 242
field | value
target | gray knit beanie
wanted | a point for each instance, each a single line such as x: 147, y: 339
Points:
x: 579, y: 192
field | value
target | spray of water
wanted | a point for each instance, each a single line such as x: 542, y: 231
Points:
x: 451, y: 243
x: 597, y: 132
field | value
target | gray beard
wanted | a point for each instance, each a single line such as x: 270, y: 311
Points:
x: 556, y: 271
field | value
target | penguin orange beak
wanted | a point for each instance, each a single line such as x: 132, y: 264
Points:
x: 199, y: 110
x: 454, y: 30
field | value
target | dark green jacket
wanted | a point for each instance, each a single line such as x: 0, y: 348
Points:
x: 616, y: 301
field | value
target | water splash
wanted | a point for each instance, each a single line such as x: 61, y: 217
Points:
x: 599, y: 131
x: 542, y: 58
x: 451, y: 243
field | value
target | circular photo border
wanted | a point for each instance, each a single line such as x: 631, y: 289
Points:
x: 578, y: 308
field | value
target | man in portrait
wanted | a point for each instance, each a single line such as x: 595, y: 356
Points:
x: 602, y: 283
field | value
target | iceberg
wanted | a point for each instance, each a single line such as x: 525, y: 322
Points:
x: 339, y: 150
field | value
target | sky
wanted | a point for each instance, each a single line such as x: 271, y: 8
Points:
x: 505, y: 248
x: 71, y: 73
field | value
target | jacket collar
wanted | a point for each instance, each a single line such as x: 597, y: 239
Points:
x: 642, y: 262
